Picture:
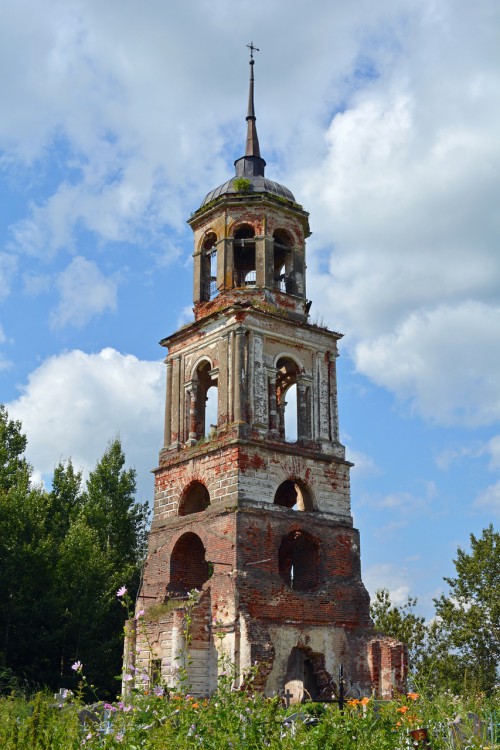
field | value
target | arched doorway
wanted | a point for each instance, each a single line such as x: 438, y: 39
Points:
x: 301, y: 680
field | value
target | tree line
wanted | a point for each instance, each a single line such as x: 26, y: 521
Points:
x: 63, y: 555
x: 459, y: 649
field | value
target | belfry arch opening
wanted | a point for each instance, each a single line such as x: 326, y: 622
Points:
x: 194, y: 499
x: 299, y: 561
x: 287, y: 374
x: 203, y: 406
x: 188, y: 565
x: 244, y: 256
x: 294, y: 495
x: 209, y: 266
x: 283, y: 261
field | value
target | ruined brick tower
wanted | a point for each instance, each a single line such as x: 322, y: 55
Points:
x: 259, y: 524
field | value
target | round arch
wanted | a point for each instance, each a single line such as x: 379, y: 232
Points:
x: 208, y: 241
x: 188, y: 565
x: 198, y: 363
x: 294, y: 494
x: 242, y: 231
x: 194, y: 499
x: 291, y: 357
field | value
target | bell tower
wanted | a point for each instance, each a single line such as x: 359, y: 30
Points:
x: 252, y: 499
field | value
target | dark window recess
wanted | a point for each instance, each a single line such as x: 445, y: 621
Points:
x: 155, y: 671
x: 195, y: 498
x: 299, y: 561
x: 244, y: 257
x: 188, y: 567
x: 294, y: 495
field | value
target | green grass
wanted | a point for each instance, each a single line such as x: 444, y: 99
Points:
x: 235, y: 719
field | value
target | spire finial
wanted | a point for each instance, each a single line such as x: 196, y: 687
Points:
x: 252, y: 48
x: 252, y: 146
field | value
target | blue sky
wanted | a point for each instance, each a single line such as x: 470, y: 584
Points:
x: 383, y: 120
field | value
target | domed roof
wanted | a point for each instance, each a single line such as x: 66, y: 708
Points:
x: 258, y: 184
x: 251, y: 166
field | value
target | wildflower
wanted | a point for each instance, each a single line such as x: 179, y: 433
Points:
x: 403, y: 709
x: 413, y: 696
x: 364, y: 701
x: 195, y: 705
x: 77, y: 666
x: 121, y: 591
x: 127, y: 677
x: 139, y: 614
x: 119, y: 736
x: 158, y: 690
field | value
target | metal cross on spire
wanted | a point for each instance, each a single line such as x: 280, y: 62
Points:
x: 252, y: 48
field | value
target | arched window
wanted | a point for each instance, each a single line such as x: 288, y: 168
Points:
x: 287, y: 373
x: 299, y: 561
x: 244, y: 256
x: 209, y: 267
x: 295, y: 495
x: 291, y: 414
x: 194, y: 499
x: 188, y: 566
x: 283, y: 261
x: 203, y: 402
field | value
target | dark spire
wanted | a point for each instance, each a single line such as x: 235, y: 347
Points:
x: 252, y: 147
x: 251, y: 165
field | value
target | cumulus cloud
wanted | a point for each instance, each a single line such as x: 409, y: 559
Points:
x: 8, y: 267
x: 387, y: 576
x: 84, y: 292
x: 445, y: 361
x: 493, y: 449
x: 489, y: 499
x: 74, y: 403
x: 405, y: 253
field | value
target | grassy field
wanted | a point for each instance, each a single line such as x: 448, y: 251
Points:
x: 155, y: 720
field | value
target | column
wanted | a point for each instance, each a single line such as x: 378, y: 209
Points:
x: 281, y: 418
x: 273, y: 405
x: 176, y: 401
x: 334, y: 410
x: 193, y: 395
x: 239, y: 376
x: 303, y: 426
x: 167, y: 437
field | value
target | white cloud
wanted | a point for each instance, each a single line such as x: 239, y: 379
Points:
x: 8, y: 265
x: 489, y: 499
x: 493, y: 449
x: 387, y: 576
x: 74, y: 403
x: 84, y: 292
x: 445, y: 361
x: 404, y: 256
x: 364, y: 465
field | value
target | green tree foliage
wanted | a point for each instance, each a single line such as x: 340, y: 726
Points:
x: 63, y: 555
x: 403, y: 623
x: 465, y: 635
